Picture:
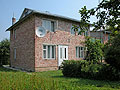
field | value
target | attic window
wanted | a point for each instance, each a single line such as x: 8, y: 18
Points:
x: 49, y: 25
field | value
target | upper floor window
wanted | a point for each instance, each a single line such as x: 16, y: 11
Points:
x: 108, y: 37
x: 14, y: 33
x: 72, y: 30
x: 86, y: 33
x: 49, y: 25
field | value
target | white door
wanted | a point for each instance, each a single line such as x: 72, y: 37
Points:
x: 62, y: 54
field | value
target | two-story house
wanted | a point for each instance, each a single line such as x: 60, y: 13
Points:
x: 33, y: 53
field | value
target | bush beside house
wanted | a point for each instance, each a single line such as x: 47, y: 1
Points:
x: 85, y: 69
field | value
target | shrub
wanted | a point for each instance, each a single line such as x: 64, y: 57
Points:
x: 72, y: 68
x: 85, y: 69
x: 112, y: 53
x: 94, y: 53
x: 91, y: 70
x: 108, y: 73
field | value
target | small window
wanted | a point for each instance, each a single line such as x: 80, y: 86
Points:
x: 14, y: 53
x: 49, y: 25
x: 48, y: 51
x: 86, y: 33
x: 14, y: 33
x: 108, y: 37
x: 80, y: 52
x: 52, y: 26
x: 72, y: 30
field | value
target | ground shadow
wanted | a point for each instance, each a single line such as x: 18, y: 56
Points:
x: 3, y: 69
x: 91, y: 82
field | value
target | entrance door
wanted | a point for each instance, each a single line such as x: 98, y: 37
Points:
x: 62, y: 54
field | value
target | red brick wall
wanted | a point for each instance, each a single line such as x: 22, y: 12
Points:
x: 24, y: 44
x: 61, y: 36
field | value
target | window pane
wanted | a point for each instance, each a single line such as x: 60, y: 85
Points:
x: 44, y: 53
x: 44, y: 47
x: 82, y: 53
x: 14, y: 53
x: 79, y: 51
x: 53, y: 51
x: 65, y: 53
x: 46, y: 24
x: 52, y: 26
x: 48, y: 51
x: 81, y: 48
x: 15, y: 33
x: 61, y: 53
x: 72, y: 30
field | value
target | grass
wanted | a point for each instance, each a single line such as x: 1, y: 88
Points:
x: 50, y: 80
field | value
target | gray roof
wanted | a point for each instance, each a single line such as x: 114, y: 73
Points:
x: 42, y: 13
x: 55, y: 15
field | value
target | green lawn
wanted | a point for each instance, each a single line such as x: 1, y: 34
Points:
x: 50, y: 80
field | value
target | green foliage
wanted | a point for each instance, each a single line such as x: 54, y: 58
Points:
x: 89, y: 70
x: 50, y: 80
x: 108, y: 73
x: 107, y: 14
x: 112, y: 52
x: 4, y: 52
x: 94, y: 53
x: 72, y: 68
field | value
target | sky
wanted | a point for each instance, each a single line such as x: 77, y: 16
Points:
x: 69, y: 8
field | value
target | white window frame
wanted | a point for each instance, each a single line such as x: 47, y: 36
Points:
x: 14, y: 53
x: 79, y: 52
x: 51, y: 53
x: 50, y: 21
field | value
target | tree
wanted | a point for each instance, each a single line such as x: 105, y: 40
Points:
x: 94, y: 53
x: 112, y: 52
x: 4, y: 52
x: 107, y: 14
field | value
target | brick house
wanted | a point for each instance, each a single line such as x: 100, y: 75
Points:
x: 103, y: 35
x: 33, y: 53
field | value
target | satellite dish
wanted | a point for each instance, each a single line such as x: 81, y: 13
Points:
x: 40, y: 31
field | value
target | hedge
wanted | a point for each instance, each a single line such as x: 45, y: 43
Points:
x: 85, y: 69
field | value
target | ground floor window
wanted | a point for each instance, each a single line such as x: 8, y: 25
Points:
x: 80, y: 52
x: 14, y: 53
x: 49, y: 51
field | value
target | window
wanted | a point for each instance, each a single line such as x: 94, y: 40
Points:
x: 80, y: 52
x: 72, y: 30
x: 108, y: 37
x: 48, y: 51
x: 14, y: 53
x: 86, y: 33
x: 14, y: 33
x: 49, y: 25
